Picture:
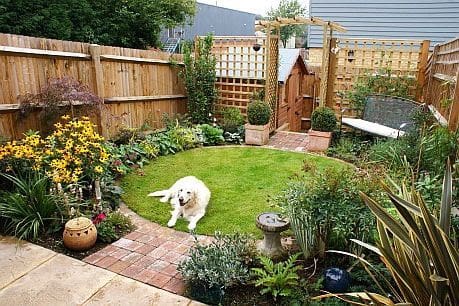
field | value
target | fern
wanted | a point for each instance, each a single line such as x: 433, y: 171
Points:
x: 277, y: 279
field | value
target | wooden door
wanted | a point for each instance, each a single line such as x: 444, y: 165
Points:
x: 295, y: 100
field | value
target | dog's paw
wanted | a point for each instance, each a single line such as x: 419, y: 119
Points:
x: 171, y: 223
x: 191, y: 227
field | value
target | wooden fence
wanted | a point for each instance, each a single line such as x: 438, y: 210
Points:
x: 137, y: 86
x: 442, y: 89
x: 351, y: 58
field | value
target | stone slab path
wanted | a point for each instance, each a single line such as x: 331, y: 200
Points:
x: 289, y: 141
x: 150, y: 254
x: 33, y: 275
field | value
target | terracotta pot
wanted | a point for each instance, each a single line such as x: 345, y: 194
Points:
x: 256, y: 134
x: 319, y: 141
x: 79, y: 234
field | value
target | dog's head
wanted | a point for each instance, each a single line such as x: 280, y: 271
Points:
x: 185, y: 196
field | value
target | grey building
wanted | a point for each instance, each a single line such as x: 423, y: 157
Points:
x: 213, y: 19
x: 436, y: 20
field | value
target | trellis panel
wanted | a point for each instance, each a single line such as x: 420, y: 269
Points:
x: 357, y: 57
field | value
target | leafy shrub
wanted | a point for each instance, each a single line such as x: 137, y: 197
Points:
x: 326, y: 211
x: 127, y: 135
x: 30, y: 209
x: 323, y: 119
x: 199, y: 76
x: 184, y: 138
x: 220, y: 265
x: 56, y: 100
x: 232, y: 119
x: 236, y: 137
x: 211, y: 135
x: 278, y: 279
x: 258, y: 112
x: 113, y: 226
x: 417, y: 250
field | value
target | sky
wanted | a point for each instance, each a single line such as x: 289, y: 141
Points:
x: 253, y: 6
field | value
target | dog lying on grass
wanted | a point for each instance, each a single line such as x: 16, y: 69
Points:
x: 189, y: 197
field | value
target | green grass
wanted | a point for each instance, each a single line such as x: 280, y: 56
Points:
x: 242, y: 181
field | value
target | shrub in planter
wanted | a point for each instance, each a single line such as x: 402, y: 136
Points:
x: 213, y: 268
x: 257, y: 130
x: 323, y: 122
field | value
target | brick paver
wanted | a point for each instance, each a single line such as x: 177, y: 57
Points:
x: 150, y: 254
x: 289, y: 141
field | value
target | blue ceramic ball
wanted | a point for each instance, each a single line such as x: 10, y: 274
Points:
x: 336, y: 280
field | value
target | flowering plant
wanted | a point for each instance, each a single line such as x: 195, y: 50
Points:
x: 75, y: 151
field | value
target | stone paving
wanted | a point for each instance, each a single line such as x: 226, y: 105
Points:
x: 150, y: 254
x: 289, y: 141
x: 33, y: 275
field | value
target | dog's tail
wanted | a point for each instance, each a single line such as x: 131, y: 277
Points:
x: 161, y: 193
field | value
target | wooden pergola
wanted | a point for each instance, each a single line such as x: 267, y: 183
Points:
x: 272, y: 28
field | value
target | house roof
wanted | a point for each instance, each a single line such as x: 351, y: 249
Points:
x: 287, y: 59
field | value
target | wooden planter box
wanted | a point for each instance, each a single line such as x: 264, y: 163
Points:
x: 256, y: 134
x: 319, y: 141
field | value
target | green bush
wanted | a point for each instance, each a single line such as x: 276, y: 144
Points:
x: 323, y: 119
x: 220, y: 265
x: 113, y: 227
x: 258, y: 112
x: 326, y: 211
x: 29, y: 209
x: 199, y: 76
x: 278, y: 279
x: 232, y: 119
x: 211, y: 136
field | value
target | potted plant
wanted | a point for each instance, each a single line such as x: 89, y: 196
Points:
x: 323, y: 123
x: 257, y: 130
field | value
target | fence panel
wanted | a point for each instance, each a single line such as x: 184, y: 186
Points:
x: 442, y: 89
x: 137, y: 86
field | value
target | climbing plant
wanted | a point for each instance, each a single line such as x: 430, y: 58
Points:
x: 199, y: 77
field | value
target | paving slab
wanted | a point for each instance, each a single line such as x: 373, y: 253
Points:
x: 125, y: 291
x: 59, y: 281
x: 19, y: 257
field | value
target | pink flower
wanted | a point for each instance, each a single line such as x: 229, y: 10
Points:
x: 99, y: 218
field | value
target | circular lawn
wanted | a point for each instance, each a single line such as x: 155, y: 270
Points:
x: 243, y: 182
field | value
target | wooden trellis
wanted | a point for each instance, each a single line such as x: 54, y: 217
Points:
x: 352, y: 58
x: 243, y: 69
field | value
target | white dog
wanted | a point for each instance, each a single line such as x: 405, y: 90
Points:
x: 189, y: 198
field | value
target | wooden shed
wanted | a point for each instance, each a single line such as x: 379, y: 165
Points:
x: 294, y: 106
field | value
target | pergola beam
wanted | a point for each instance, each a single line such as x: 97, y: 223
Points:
x: 298, y: 20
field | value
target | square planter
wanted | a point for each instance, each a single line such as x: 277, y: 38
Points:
x: 256, y: 134
x: 319, y: 141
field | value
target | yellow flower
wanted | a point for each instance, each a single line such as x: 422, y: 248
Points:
x: 65, y: 117
x: 98, y: 169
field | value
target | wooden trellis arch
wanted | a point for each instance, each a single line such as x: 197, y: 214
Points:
x: 242, y: 70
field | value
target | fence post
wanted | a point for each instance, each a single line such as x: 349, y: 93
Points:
x: 423, y: 57
x: 427, y: 90
x: 325, y: 63
x: 453, y: 122
x: 331, y: 74
x: 98, y: 71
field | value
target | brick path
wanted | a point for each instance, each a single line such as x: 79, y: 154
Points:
x: 289, y: 141
x: 149, y: 254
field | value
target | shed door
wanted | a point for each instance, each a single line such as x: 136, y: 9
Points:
x: 295, y: 100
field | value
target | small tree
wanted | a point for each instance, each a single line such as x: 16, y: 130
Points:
x: 288, y: 9
x: 199, y: 76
